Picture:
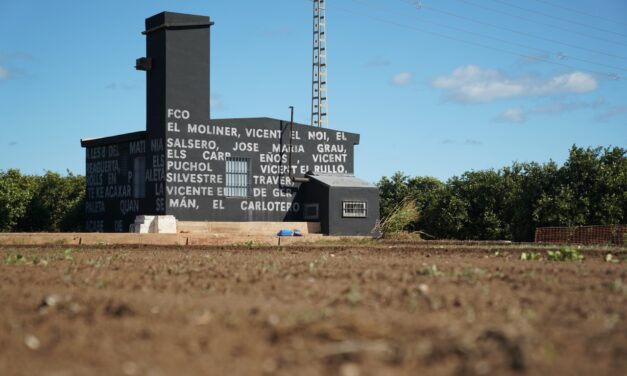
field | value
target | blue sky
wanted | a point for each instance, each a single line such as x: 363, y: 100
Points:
x: 434, y: 87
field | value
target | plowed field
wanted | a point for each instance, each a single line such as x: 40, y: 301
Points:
x: 354, y: 309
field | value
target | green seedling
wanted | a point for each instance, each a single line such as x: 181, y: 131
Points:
x: 40, y: 261
x: 610, y: 258
x: 353, y: 296
x: 67, y: 254
x: 15, y: 259
x: 471, y: 273
x: 250, y: 244
x: 565, y: 254
x: 102, y: 284
x: 618, y: 286
x: 530, y: 256
x: 429, y: 270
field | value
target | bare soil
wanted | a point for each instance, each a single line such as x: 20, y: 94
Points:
x: 354, y: 309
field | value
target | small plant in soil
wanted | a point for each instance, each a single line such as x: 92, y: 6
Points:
x: 565, y: 254
x: 14, y: 259
x: 472, y: 273
x: 67, y: 254
x: 353, y: 296
x: 610, y: 258
x: 429, y: 270
x: 530, y: 256
x: 251, y: 244
x: 102, y: 284
x: 400, y: 218
x: 43, y: 261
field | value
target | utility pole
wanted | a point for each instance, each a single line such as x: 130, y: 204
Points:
x: 319, y: 105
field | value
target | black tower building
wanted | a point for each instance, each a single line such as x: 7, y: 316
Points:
x: 200, y: 169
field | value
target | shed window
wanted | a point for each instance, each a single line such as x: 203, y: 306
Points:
x: 354, y: 209
x: 237, y: 177
x: 310, y: 211
x: 139, y: 177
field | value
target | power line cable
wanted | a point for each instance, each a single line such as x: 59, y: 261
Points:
x: 561, y: 56
x: 431, y: 8
x: 581, y: 13
x: 543, y: 23
x: 558, y: 18
x: 607, y: 75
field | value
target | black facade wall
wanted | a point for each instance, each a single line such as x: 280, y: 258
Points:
x: 113, y: 199
x: 195, y: 195
x: 338, y: 225
x: 196, y: 166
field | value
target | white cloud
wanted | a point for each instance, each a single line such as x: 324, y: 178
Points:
x: 378, y: 61
x: 520, y: 115
x: 534, y: 58
x: 468, y: 142
x: 123, y: 85
x: 4, y: 73
x: 612, y: 112
x: 512, y: 115
x: 473, y: 84
x: 472, y: 142
x: 16, y: 56
x: 402, y: 78
x: 560, y: 107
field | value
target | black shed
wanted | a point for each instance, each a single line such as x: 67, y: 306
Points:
x: 344, y: 204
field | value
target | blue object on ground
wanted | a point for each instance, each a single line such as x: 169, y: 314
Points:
x: 286, y: 233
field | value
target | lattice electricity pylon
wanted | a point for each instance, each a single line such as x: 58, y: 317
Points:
x: 319, y: 104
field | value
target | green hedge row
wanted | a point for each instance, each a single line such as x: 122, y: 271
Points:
x: 589, y: 189
x: 41, y: 203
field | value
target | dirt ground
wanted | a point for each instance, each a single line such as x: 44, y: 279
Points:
x: 353, y: 309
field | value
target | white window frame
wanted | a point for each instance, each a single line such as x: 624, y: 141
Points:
x: 354, y: 209
x: 237, y: 180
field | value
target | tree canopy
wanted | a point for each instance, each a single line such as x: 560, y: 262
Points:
x: 41, y: 203
x: 509, y: 203
x: 590, y: 188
